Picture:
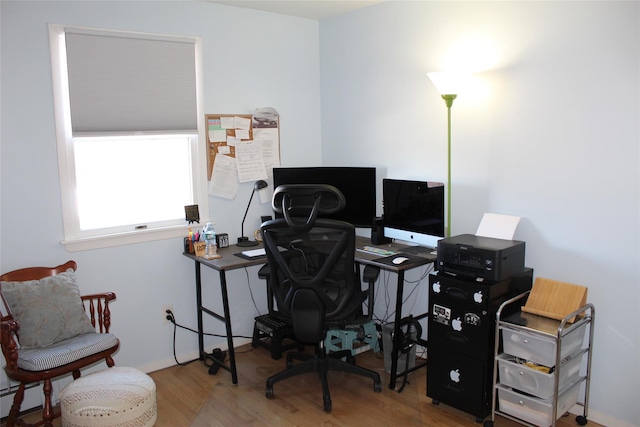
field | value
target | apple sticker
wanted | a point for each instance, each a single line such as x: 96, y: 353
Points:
x: 477, y: 297
x: 436, y: 287
x: 456, y: 324
x: 455, y: 375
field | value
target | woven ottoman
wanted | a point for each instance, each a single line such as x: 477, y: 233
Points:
x: 118, y: 396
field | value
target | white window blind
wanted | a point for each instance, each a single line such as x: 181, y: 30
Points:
x: 114, y: 81
x: 130, y: 134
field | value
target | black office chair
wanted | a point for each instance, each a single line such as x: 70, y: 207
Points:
x: 315, y: 279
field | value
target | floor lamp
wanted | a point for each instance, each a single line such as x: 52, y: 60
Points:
x: 446, y: 84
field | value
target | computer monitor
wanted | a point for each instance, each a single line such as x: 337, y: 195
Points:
x: 413, y: 211
x: 358, y: 184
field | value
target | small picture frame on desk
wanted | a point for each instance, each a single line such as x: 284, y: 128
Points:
x: 222, y: 240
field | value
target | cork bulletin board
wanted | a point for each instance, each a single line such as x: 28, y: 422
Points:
x: 219, y: 128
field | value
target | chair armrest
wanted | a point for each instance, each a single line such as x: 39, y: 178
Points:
x: 264, y: 272
x: 370, y: 273
x: 8, y: 331
x: 97, y: 308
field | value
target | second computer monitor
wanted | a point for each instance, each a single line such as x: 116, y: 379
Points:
x: 413, y: 211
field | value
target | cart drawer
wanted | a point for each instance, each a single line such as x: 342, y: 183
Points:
x: 533, y: 410
x: 540, y: 349
x: 533, y: 381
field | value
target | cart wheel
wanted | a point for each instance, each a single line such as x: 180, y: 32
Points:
x: 268, y: 391
x: 488, y: 424
x: 581, y: 420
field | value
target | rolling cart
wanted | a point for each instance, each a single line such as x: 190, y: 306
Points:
x: 537, y: 374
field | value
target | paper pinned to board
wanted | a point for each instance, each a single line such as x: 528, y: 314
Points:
x: 498, y: 226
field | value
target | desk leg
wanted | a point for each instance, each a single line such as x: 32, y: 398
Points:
x: 227, y: 323
x: 199, y: 312
x: 396, y: 330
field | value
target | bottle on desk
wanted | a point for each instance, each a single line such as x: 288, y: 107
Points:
x: 209, y: 235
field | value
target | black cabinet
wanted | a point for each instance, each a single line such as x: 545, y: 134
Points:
x: 461, y: 337
x: 459, y: 381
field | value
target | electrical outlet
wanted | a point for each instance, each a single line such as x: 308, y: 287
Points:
x: 164, y: 312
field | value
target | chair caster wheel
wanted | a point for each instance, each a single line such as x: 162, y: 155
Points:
x: 581, y: 420
x: 268, y: 391
x: 488, y: 424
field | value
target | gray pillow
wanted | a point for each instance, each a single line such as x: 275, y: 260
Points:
x: 48, y: 310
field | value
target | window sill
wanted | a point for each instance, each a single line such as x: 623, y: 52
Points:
x: 140, y: 236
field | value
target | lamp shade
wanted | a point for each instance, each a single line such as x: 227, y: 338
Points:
x: 447, y: 83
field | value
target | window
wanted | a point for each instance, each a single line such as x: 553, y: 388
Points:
x: 128, y: 123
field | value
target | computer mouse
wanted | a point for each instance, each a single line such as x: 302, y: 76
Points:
x: 399, y: 260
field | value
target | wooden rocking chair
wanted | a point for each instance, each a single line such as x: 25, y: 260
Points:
x: 78, y: 327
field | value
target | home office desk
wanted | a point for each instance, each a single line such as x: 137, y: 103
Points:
x: 230, y: 261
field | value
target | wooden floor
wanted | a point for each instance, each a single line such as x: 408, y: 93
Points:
x: 189, y: 396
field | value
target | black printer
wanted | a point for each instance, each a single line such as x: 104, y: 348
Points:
x: 480, y: 258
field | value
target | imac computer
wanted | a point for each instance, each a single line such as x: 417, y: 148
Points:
x: 358, y: 184
x: 413, y: 211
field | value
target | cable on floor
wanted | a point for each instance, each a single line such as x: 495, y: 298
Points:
x: 176, y: 325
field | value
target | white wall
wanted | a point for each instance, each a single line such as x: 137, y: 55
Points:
x: 251, y: 60
x: 549, y: 131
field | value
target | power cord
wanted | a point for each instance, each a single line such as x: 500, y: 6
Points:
x: 217, y: 356
x: 172, y: 319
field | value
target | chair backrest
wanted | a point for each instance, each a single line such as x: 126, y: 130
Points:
x: 313, y: 275
x: 31, y: 273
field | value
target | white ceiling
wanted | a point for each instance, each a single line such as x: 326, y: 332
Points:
x: 312, y: 9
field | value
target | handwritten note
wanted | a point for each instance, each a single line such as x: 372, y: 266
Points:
x: 249, y: 161
x: 224, y: 179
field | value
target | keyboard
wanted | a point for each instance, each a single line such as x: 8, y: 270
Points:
x: 376, y: 251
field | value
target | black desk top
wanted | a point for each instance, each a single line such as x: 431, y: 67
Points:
x: 383, y: 262
x: 230, y: 261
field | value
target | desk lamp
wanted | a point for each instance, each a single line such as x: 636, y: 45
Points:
x: 244, y: 241
x: 447, y: 84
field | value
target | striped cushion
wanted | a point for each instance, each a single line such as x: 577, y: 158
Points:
x: 66, y: 351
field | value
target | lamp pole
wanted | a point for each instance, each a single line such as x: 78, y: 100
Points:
x: 448, y: 100
x: 448, y: 84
